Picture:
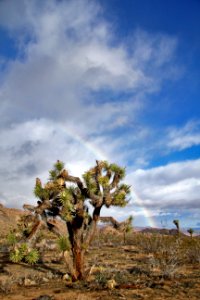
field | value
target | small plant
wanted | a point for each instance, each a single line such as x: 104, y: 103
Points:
x: 6, y: 286
x: 166, y: 261
x: 101, y: 278
x: 32, y: 257
x: 23, y: 253
x: 127, y: 227
x: 63, y: 244
x: 11, y: 238
x: 190, y: 231
x: 176, y: 223
x: 193, y: 251
x: 151, y: 243
x: 23, y: 249
x: 16, y: 256
x: 121, y: 277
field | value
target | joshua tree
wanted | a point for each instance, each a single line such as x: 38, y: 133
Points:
x: 176, y: 223
x: 190, y: 231
x: 127, y: 227
x: 66, y: 196
x: 124, y: 226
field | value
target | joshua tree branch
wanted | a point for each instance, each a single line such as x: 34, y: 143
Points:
x: 114, y: 222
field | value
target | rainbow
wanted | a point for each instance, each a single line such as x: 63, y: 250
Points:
x: 85, y: 143
x: 147, y: 213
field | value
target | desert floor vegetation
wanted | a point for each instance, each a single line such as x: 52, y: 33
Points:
x: 147, y: 266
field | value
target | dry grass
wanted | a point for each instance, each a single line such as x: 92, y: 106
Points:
x: 149, y: 266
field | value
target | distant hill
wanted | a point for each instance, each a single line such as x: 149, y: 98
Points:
x: 168, y: 231
x: 9, y: 218
x: 161, y: 231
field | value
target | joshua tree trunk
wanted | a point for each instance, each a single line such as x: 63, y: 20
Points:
x: 80, y: 243
x: 75, y: 263
x: 78, y: 261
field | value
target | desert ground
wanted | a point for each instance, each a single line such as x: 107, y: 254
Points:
x: 147, y: 266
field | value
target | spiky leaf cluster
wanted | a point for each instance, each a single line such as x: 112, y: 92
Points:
x: 32, y: 257
x: 16, y: 256
x: 90, y: 182
x: 66, y: 198
x: 125, y: 188
x: 40, y: 192
x: 52, y: 174
x: 58, y: 168
x: 119, y: 199
x: 104, y: 181
x: 118, y: 170
x: 23, y: 253
x: 55, y: 184
x: 24, y: 249
x: 63, y: 243
x: 120, y: 195
x: 128, y: 226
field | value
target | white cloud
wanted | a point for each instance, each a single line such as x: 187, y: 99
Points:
x: 184, y: 137
x: 30, y: 149
x: 172, y: 187
x: 70, y: 54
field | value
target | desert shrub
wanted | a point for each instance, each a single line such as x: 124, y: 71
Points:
x: 101, y: 278
x: 109, y: 237
x: 192, y: 251
x: 6, y: 286
x: 151, y: 243
x: 164, y: 253
x: 121, y: 277
x: 166, y: 261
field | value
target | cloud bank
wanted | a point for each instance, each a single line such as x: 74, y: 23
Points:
x: 74, y: 91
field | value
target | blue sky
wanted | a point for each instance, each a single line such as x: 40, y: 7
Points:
x: 118, y: 80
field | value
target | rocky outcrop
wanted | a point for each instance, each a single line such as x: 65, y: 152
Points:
x: 9, y: 218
